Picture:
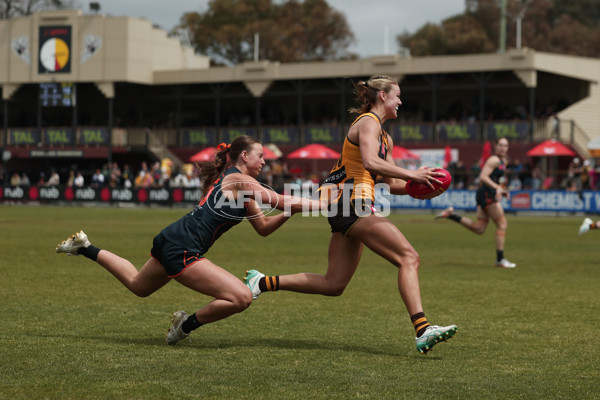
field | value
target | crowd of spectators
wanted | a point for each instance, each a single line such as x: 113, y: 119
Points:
x: 581, y: 175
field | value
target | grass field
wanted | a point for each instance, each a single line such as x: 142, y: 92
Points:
x: 69, y: 330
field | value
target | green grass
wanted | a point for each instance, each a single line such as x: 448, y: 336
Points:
x: 69, y: 330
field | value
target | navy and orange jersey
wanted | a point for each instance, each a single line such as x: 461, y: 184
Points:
x: 349, y: 168
x: 212, y: 217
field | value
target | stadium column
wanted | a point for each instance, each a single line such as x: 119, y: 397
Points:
x: 341, y: 84
x: 110, y: 129
x: 5, y: 113
x: 74, y: 121
x: 218, y: 90
x: 108, y: 89
x: 7, y: 92
x: 531, y: 111
x: 178, y: 94
x: 257, y: 88
x: 300, y: 85
x: 434, y: 81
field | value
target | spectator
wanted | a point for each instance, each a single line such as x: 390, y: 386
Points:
x: 536, y: 178
x: 475, y: 171
x: 3, y: 175
x: 194, y: 179
x: 42, y: 180
x: 585, y: 175
x: 143, y: 179
x: 15, y: 180
x: 278, y: 177
x: 548, y: 183
x: 266, y: 175
x: 594, y: 175
x: 106, y: 169
x: 156, y: 174
x: 525, y: 176
x: 71, y: 179
x: 460, y: 175
x: 574, y: 172
x: 115, y: 175
x: 515, y: 183
x: 78, y: 181
x: 25, y: 180
x: 555, y: 126
x: 54, y: 179
x: 570, y: 186
x: 97, y: 179
x: 126, y: 175
x: 180, y: 180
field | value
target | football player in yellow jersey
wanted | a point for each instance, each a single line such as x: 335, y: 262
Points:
x: 354, y: 222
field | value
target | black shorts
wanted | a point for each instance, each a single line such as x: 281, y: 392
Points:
x: 174, y: 257
x: 355, y: 210
x: 485, y: 196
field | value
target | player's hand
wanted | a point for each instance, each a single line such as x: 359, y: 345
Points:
x: 501, y: 192
x: 426, y: 175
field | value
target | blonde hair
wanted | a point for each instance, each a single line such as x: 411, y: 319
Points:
x: 366, y: 92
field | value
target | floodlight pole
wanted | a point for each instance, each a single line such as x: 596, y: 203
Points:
x: 518, y: 19
x: 256, y: 44
x: 502, y: 36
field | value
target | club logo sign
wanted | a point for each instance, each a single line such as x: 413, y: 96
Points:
x: 55, y: 49
x: 20, y: 46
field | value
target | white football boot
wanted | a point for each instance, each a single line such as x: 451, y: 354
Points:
x: 73, y: 243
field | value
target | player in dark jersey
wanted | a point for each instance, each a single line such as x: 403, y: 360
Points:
x: 231, y: 193
x: 488, y: 197
x: 367, y: 153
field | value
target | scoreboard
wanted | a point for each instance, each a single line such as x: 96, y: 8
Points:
x: 53, y: 94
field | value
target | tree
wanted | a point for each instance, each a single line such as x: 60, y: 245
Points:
x: 466, y: 35
x: 559, y: 26
x: 16, y: 8
x: 289, y: 32
x: 427, y: 41
x: 586, y: 12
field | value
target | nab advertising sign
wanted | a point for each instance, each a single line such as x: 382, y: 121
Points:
x: 522, y: 200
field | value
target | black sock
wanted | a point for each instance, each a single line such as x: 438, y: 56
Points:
x: 90, y: 252
x: 455, y: 217
x: 269, y: 283
x: 499, y: 255
x: 190, y: 324
x: 419, y: 322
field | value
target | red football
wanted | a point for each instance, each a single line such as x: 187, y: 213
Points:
x: 421, y: 191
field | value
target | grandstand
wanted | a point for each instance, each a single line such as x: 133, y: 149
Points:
x: 90, y: 89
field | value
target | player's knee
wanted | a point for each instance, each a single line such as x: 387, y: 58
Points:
x: 334, y: 289
x: 141, y: 291
x: 241, y: 301
x: 410, y: 260
x: 479, y: 229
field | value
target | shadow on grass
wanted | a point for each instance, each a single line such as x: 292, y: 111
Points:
x: 267, y: 343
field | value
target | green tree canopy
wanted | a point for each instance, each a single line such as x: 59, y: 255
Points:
x: 292, y: 31
x: 559, y: 26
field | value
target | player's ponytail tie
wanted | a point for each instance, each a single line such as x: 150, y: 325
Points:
x: 223, y: 146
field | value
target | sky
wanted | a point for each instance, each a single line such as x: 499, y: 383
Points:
x: 372, y: 21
